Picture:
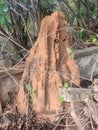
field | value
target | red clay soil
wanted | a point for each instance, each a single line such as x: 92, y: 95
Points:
x: 47, y: 67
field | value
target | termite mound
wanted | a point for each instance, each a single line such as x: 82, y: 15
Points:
x: 48, y: 66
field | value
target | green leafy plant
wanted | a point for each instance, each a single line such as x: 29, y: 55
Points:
x: 61, y: 98
x: 33, y: 93
x: 82, y: 33
x: 66, y: 85
x: 47, y: 7
x: 28, y: 87
x: 92, y: 39
x: 4, y: 15
x: 69, y: 51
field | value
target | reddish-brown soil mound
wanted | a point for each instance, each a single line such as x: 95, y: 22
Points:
x: 47, y: 67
